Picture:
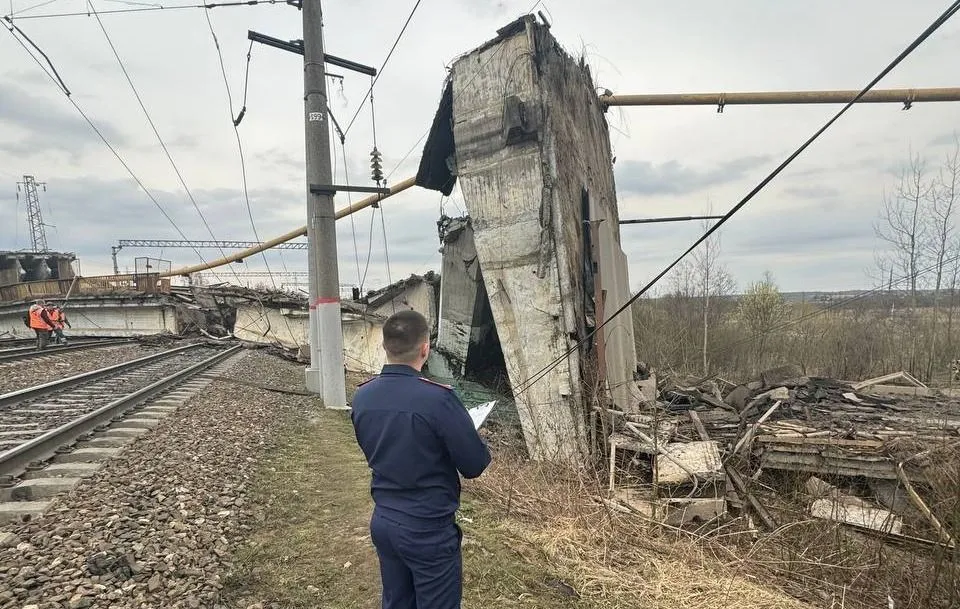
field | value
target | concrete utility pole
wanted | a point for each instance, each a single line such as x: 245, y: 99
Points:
x: 326, y: 372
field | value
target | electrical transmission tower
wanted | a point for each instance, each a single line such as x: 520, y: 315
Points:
x: 38, y: 231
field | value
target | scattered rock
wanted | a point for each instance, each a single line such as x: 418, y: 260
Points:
x: 157, y: 525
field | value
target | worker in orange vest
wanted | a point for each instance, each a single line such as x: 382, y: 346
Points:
x: 41, y: 323
x: 58, y: 319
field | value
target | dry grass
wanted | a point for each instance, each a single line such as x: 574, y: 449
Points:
x: 311, y: 546
x: 612, y: 560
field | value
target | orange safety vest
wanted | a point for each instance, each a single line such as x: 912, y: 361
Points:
x: 56, y: 317
x: 36, y: 320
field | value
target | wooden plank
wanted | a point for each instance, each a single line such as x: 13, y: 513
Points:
x: 881, y: 380
x: 695, y: 418
x: 747, y: 439
x: 820, y: 441
x: 942, y: 533
x: 734, y: 476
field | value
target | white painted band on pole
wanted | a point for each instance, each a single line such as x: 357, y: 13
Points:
x: 331, y: 334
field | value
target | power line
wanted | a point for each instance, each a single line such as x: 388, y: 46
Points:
x: 373, y: 216
x: 243, y: 165
x: 145, y: 9
x: 944, y: 17
x: 382, y: 66
x: 153, y: 126
x: 30, y: 8
x: 353, y: 225
x: 103, y: 138
x: 456, y: 96
x: 386, y: 254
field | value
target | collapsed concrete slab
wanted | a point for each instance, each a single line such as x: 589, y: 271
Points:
x: 282, y: 319
x: 467, y: 343
x: 521, y: 128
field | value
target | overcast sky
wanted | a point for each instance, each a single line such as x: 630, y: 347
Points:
x: 812, y: 227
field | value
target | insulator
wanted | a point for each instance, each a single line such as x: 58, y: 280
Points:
x: 376, y: 165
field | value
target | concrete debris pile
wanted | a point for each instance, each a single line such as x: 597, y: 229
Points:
x: 710, y: 443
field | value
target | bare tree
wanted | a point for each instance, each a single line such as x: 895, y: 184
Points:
x: 942, y: 243
x: 901, y: 223
x: 712, y: 281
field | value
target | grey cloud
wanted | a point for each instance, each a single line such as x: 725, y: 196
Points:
x: 813, y: 192
x: 672, y: 177
x: 48, y: 125
x: 947, y: 139
x: 91, y: 215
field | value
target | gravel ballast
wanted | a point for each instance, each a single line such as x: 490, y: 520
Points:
x: 156, y: 526
x: 34, y: 371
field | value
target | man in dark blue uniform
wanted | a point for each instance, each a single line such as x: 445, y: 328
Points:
x: 418, y: 440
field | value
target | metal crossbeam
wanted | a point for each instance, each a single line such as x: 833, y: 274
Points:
x: 173, y: 243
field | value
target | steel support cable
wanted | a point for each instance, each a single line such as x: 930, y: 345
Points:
x: 382, y: 66
x: 943, y: 18
x: 153, y: 125
x: 56, y: 81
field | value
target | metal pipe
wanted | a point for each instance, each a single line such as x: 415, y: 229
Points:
x: 876, y: 96
x: 342, y: 213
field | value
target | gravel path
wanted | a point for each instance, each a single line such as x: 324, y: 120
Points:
x: 30, y: 372
x: 156, y: 525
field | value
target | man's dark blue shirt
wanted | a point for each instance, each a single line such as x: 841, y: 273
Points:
x: 416, y: 436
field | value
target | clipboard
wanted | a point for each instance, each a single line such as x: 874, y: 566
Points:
x: 479, y: 414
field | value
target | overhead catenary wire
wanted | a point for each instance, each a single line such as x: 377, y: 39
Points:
x: 456, y: 96
x: 56, y: 81
x: 382, y: 66
x: 386, y: 255
x: 153, y: 125
x: 243, y: 165
x: 144, y: 9
x: 933, y: 27
x: 353, y: 224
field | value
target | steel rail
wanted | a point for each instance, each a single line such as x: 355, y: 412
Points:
x: 13, y: 343
x: 16, y: 460
x: 19, y: 353
x: 37, y: 391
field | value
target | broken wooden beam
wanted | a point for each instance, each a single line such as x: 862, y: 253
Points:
x: 734, y: 476
x: 942, y: 532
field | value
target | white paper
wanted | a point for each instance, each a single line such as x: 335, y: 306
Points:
x: 479, y: 414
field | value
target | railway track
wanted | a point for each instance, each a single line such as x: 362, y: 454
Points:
x: 39, y: 423
x: 18, y: 353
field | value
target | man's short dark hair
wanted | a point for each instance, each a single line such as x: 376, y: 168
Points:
x: 403, y: 333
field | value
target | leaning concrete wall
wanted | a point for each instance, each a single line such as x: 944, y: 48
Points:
x: 363, y: 344
x: 459, y: 291
x: 418, y: 297
x: 507, y: 192
x: 362, y: 334
x: 577, y: 146
x: 259, y: 324
x: 531, y: 143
